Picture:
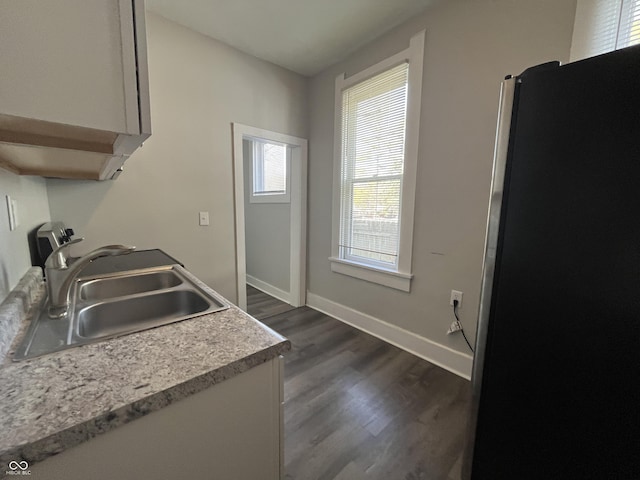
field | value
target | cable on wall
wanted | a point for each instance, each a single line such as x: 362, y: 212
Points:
x: 458, y: 325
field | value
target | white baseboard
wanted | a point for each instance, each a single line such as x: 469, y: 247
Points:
x: 269, y: 289
x: 441, y: 355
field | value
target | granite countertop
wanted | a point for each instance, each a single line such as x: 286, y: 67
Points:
x: 56, y: 401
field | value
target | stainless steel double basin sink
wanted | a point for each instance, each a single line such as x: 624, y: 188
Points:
x: 117, y: 304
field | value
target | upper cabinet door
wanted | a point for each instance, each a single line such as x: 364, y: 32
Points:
x: 72, y: 62
x: 74, y: 88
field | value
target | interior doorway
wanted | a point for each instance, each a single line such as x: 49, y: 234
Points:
x: 270, y: 177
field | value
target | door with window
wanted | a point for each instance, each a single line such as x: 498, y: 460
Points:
x: 270, y: 171
x: 267, y: 216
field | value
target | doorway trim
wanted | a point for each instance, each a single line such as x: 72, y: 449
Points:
x: 298, y: 211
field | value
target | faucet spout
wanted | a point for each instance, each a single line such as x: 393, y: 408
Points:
x: 61, y: 276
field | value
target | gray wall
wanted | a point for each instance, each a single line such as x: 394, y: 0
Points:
x: 198, y: 88
x: 267, y: 233
x: 33, y: 210
x: 470, y: 47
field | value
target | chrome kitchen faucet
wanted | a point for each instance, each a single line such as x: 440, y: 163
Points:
x: 61, y: 273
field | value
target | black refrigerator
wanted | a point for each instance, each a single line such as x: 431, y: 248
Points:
x: 556, y: 375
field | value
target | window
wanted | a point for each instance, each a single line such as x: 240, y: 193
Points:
x: 374, y: 115
x: 602, y: 26
x: 270, y: 173
x: 377, y: 114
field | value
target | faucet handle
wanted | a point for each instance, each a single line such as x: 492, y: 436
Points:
x: 58, y: 258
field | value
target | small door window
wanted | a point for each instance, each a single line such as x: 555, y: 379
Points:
x: 270, y: 173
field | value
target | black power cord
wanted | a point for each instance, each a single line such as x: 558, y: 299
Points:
x: 455, y: 312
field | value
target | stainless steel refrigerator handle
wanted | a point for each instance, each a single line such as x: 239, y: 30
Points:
x: 503, y: 128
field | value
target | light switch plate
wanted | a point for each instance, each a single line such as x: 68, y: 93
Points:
x: 204, y: 219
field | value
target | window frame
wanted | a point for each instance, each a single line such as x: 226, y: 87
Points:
x: 267, y: 197
x: 376, y: 272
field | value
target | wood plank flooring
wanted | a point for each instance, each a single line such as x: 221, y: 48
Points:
x: 359, y: 408
x: 260, y: 305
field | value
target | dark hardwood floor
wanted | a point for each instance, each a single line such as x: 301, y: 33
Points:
x: 260, y: 305
x: 359, y: 408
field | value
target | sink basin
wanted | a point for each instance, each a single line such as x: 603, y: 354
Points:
x: 138, y: 313
x: 103, y: 288
x: 119, y: 304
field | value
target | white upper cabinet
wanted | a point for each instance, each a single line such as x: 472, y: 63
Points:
x: 74, y: 93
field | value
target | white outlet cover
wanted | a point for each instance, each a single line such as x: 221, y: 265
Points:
x: 455, y: 295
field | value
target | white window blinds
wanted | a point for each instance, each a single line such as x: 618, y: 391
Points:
x: 372, y: 154
x: 602, y: 26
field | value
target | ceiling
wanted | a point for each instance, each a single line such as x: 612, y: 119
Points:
x: 305, y: 36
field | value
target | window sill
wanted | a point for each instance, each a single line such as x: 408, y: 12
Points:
x: 278, y: 198
x: 388, y: 278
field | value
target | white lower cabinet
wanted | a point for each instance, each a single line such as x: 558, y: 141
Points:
x: 230, y: 431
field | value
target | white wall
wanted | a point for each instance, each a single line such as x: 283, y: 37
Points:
x: 33, y: 211
x: 470, y: 47
x: 198, y: 88
x: 267, y: 234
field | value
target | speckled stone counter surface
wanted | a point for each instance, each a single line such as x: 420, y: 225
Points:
x: 54, y: 402
x: 15, y: 309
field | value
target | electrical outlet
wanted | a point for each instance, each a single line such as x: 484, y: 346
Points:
x: 455, y: 295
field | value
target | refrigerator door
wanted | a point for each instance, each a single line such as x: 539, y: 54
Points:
x: 503, y: 129
x: 559, y: 367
